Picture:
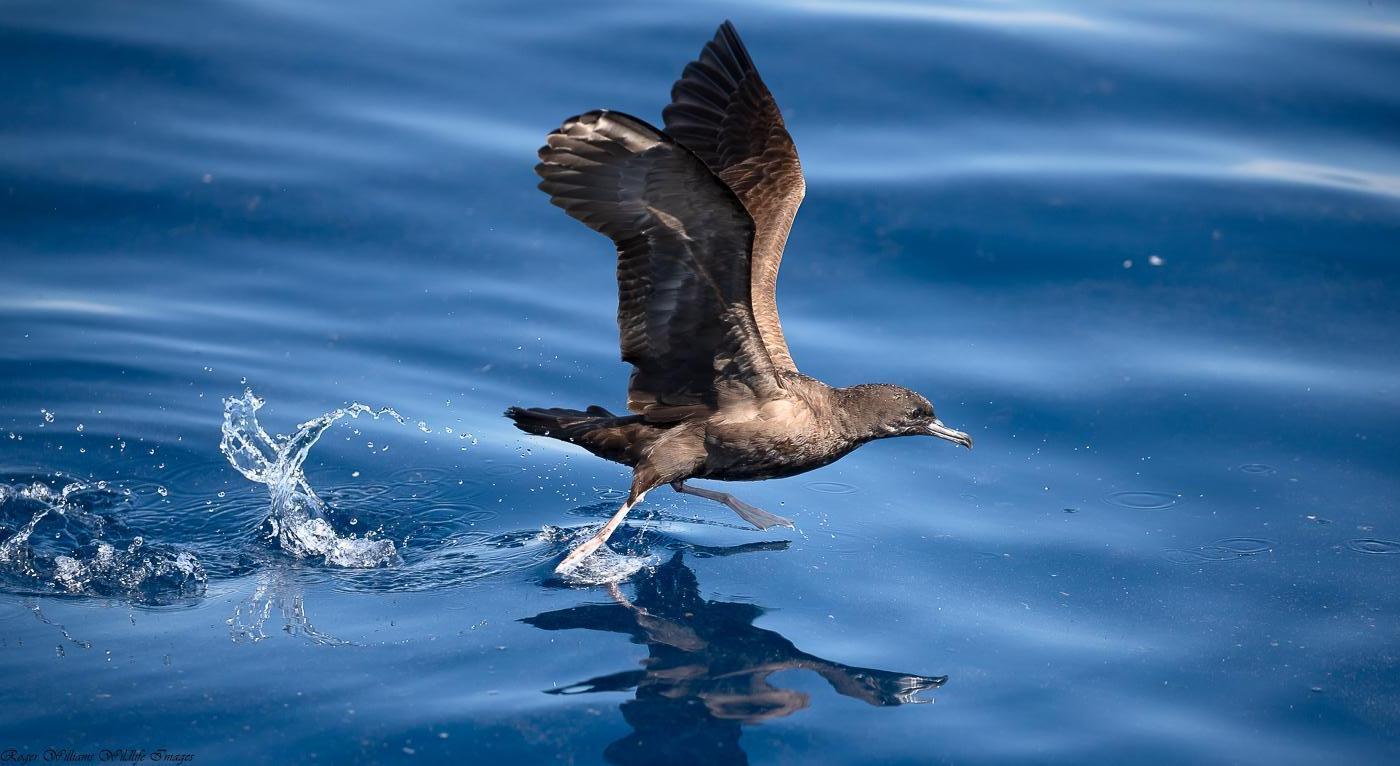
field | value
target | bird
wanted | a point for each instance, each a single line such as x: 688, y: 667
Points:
x: 700, y: 211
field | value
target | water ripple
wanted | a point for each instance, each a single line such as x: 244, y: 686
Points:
x: 430, y: 482
x: 1142, y: 500
x: 1228, y: 549
x: 832, y: 487
x: 1374, y: 547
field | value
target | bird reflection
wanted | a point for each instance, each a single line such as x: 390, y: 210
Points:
x: 707, y: 670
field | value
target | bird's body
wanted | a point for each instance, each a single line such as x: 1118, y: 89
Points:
x: 802, y: 431
x: 700, y: 214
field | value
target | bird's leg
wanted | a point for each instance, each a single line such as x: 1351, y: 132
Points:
x: 577, y: 554
x: 755, y: 516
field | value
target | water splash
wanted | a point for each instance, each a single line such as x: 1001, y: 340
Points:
x: 276, y: 593
x: 82, y: 552
x: 298, y: 517
x: 604, y: 566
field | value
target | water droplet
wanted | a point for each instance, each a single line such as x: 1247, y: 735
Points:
x: 162, y: 491
x: 79, y: 428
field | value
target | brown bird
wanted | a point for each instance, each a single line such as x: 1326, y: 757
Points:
x: 700, y: 213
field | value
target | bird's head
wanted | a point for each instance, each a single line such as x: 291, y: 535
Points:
x: 883, y: 410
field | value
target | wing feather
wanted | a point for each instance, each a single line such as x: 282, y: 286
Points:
x: 721, y: 110
x: 683, y: 271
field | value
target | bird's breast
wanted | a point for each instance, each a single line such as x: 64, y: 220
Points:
x: 769, y: 448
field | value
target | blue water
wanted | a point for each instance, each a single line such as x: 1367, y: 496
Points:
x: 1145, y: 255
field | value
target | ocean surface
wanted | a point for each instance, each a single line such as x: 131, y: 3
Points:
x: 1147, y: 254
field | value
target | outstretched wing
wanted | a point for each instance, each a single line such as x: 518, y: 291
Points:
x: 683, y: 242
x: 723, y: 112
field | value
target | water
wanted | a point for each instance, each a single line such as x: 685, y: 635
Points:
x: 297, y: 515
x: 1145, y: 256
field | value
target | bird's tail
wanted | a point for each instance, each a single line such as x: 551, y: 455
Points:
x: 617, y: 438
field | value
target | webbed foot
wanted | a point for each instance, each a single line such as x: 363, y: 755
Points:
x: 755, y: 516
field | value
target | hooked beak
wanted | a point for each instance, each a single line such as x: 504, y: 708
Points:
x: 936, y: 428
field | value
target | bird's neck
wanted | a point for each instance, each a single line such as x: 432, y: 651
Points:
x: 856, y: 412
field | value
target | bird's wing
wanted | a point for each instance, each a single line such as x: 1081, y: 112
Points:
x: 683, y: 243
x: 721, y: 110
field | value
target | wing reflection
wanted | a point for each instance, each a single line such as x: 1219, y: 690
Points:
x: 707, y: 670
